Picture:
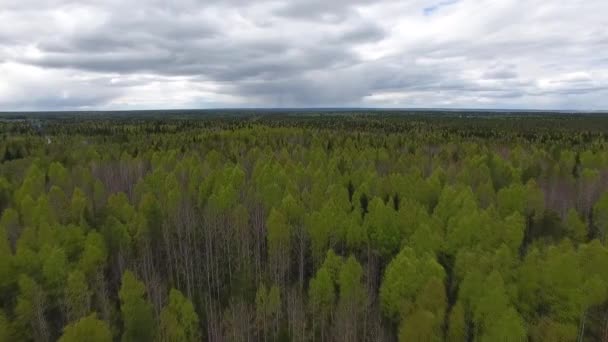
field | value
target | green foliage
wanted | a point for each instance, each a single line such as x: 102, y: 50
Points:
x: 94, y: 255
x: 600, y: 217
x: 87, y: 329
x: 432, y: 298
x: 136, y: 311
x: 476, y: 229
x: 9, y: 222
x: 577, y: 229
x: 5, y: 192
x: 423, y: 322
x: 29, y: 319
x: 54, y: 269
x: 383, y: 227
x: 526, y: 199
x: 333, y: 264
x: 457, y: 330
x: 549, y: 330
x: 5, y: 332
x: 562, y: 280
x: 278, y: 234
x: 78, y: 207
x: 322, y: 294
x: 6, y: 262
x: 77, y: 296
x: 33, y: 185
x: 419, y: 326
x: 509, y: 326
x: 493, y: 314
x: 426, y: 240
x: 405, y: 275
x: 352, y: 289
x: 323, y: 227
x: 58, y: 176
x: 178, y: 319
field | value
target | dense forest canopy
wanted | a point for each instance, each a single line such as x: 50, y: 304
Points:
x: 343, y: 227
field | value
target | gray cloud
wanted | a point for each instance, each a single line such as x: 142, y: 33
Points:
x: 56, y: 101
x: 319, y: 10
x: 140, y: 54
x: 500, y: 72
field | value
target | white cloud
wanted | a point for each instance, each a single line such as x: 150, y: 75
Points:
x: 60, y: 54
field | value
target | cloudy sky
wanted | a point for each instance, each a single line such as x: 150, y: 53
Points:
x: 136, y: 54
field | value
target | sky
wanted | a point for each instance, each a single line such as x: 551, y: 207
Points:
x: 158, y: 54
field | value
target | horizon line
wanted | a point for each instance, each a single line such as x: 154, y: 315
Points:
x: 450, y: 109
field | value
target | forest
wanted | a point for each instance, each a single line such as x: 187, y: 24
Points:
x: 283, y: 227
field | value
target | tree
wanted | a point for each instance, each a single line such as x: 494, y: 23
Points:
x: 178, y: 320
x: 419, y: 326
x: 352, y: 300
x: 261, y: 309
x: 137, y: 314
x: 268, y: 308
x: 94, y: 255
x: 405, y: 275
x: 333, y: 264
x: 547, y: 330
x: 295, y: 213
x: 79, y: 206
x: 9, y: 223
x: 54, y: 270
x: 426, y: 240
x: 321, y: 293
x: 58, y: 176
x: 356, y: 234
x: 6, y: 263
x: 561, y: 283
x: 87, y: 329
x: 352, y: 290
x: 5, y: 332
x: 279, y: 238
x: 319, y: 227
x: 457, y: 329
x: 454, y: 202
x: 466, y: 230
x: 528, y: 200
x: 77, y: 296
x: 509, y: 327
x: 386, y: 234
x: 5, y: 192
x: 29, y: 311
x: 33, y: 185
x: 600, y: 217
x: 273, y: 307
x: 510, y: 232
x: 432, y: 298
x: 577, y: 229
x: 491, y: 302
x: 58, y: 203
x: 424, y: 320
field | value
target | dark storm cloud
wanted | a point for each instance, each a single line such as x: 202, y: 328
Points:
x: 298, y: 53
